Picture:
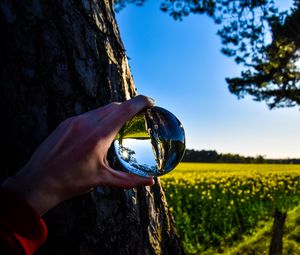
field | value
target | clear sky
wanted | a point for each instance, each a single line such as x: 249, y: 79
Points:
x: 180, y: 65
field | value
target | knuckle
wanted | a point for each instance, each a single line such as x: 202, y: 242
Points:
x: 68, y: 120
x: 114, y: 104
x: 66, y: 123
x: 77, y: 123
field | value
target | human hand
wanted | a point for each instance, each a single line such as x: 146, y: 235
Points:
x: 72, y: 160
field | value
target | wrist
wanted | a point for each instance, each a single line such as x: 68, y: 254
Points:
x: 39, y: 200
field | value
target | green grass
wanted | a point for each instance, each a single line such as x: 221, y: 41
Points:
x: 259, y: 242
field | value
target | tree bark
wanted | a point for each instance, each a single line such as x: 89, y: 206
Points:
x: 61, y: 58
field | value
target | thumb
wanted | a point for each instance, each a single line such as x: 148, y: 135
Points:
x: 125, y: 180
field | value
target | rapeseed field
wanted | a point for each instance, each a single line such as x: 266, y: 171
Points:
x: 214, y: 205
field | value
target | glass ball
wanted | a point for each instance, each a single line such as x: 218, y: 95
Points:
x: 152, y: 143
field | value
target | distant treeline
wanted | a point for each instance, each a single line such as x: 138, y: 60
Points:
x: 212, y: 156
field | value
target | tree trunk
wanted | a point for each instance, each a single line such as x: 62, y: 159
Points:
x: 277, y: 233
x: 57, y: 59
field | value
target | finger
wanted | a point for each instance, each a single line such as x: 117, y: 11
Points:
x: 101, y: 112
x: 125, y: 112
x: 124, y: 180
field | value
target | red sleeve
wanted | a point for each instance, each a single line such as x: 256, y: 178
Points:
x: 22, y: 231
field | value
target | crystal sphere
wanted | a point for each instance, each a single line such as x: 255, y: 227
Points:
x: 152, y: 143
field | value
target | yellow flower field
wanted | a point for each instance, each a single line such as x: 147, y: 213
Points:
x: 214, y: 204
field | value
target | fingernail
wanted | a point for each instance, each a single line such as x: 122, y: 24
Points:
x: 144, y: 99
x: 152, y: 101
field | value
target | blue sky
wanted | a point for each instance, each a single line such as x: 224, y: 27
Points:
x: 180, y: 65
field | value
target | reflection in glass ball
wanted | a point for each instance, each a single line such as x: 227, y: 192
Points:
x: 152, y: 143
